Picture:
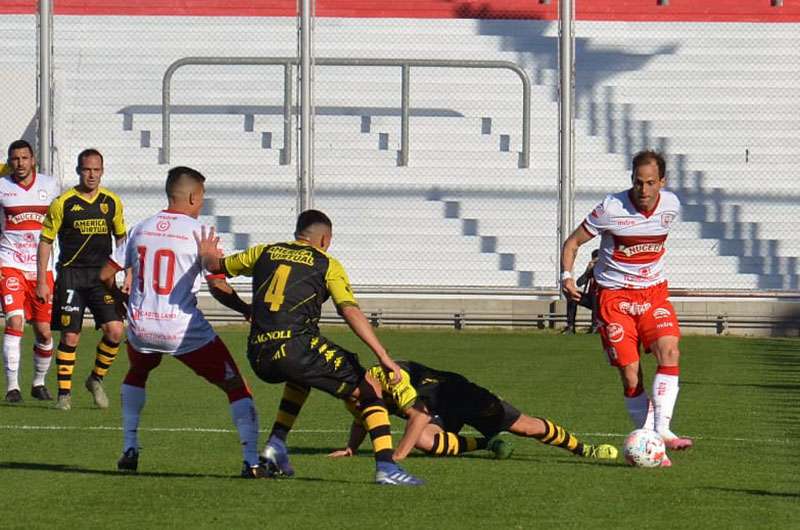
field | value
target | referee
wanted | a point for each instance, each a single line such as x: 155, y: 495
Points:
x: 83, y: 219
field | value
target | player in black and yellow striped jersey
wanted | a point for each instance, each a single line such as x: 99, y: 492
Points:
x: 84, y: 219
x: 437, y: 405
x: 291, y: 280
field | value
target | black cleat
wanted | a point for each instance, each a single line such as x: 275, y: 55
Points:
x: 13, y: 396
x: 257, y: 471
x: 129, y: 461
x: 41, y: 393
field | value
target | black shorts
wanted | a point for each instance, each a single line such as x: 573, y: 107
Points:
x: 75, y: 290
x: 308, y: 360
x: 459, y: 401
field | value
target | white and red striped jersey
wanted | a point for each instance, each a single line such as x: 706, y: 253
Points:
x: 163, y: 316
x: 632, y: 242
x: 23, y: 210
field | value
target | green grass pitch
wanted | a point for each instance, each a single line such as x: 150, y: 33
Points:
x: 740, y: 399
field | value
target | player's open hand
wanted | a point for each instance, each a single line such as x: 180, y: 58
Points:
x: 43, y: 293
x: 208, y: 246
x: 570, y: 290
x: 341, y: 453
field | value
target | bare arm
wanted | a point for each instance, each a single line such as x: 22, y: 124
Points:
x: 43, y: 253
x: 363, y: 329
x: 226, y: 295
x: 357, y: 435
x: 417, y: 421
x: 108, y: 278
x: 568, y: 254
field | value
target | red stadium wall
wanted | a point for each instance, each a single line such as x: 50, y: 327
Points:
x: 629, y: 10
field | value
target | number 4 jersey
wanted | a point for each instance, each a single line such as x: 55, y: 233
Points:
x: 163, y: 316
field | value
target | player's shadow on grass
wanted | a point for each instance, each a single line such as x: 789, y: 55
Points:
x: 64, y: 468
x: 760, y: 493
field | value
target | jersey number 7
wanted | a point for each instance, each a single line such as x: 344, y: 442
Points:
x: 160, y: 256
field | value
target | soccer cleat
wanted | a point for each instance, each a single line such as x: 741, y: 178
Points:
x: 129, y: 461
x: 94, y: 386
x: 256, y: 471
x: 390, y: 474
x: 64, y: 402
x: 600, y: 452
x: 502, y: 449
x: 13, y: 396
x: 275, y: 458
x: 41, y: 393
x: 678, y: 443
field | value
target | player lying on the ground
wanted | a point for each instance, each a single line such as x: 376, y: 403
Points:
x: 437, y: 404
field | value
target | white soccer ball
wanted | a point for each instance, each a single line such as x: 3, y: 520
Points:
x: 644, y: 448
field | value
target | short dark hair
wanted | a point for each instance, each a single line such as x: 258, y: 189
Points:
x: 87, y: 153
x: 646, y: 157
x: 19, y: 144
x: 309, y: 218
x: 175, y: 174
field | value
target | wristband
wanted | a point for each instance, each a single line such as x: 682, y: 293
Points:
x: 566, y: 275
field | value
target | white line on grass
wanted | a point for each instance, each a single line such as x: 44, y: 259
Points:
x: 337, y: 431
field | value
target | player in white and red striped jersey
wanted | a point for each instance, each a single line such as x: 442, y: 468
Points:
x: 25, y: 195
x: 163, y: 317
x: 633, y: 297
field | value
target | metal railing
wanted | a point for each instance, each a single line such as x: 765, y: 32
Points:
x: 289, y: 62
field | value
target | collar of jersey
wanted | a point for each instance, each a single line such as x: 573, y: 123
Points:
x: 26, y: 188
x: 77, y: 194
x: 648, y: 214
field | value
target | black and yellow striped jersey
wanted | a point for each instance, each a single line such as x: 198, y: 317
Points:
x: 84, y: 227
x: 291, y: 281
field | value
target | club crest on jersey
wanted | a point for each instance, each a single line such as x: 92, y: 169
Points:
x: 42, y: 195
x: 666, y: 219
x: 104, y: 208
x: 661, y: 313
x: 12, y: 284
x: 65, y: 320
x: 615, y: 332
x: 163, y: 225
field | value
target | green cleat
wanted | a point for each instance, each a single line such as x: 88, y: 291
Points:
x: 502, y: 449
x: 600, y: 452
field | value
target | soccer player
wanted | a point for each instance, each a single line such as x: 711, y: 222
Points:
x: 164, y: 319
x: 291, y: 280
x: 633, y: 305
x: 437, y: 405
x: 84, y: 219
x: 24, y: 197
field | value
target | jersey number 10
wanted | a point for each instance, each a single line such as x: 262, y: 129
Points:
x: 162, y: 256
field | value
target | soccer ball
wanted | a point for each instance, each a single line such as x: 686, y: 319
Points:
x: 644, y: 448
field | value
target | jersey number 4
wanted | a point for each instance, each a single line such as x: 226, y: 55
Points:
x: 161, y: 257
x: 274, y: 295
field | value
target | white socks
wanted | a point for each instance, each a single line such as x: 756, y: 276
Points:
x: 246, y: 420
x: 665, y: 394
x: 11, y: 349
x: 133, y: 398
x: 42, y: 357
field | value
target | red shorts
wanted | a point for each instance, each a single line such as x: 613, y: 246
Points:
x: 18, y: 292
x: 213, y: 362
x: 629, y: 317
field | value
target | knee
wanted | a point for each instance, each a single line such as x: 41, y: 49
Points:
x: 70, y: 339
x: 113, y: 334
x: 15, y: 322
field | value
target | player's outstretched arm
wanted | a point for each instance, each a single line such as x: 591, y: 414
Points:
x: 226, y: 295
x: 357, y: 435
x: 363, y: 329
x: 43, y: 252
x: 415, y: 426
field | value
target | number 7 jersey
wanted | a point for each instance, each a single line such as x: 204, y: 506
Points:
x: 163, y: 316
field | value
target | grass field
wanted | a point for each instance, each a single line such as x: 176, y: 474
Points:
x: 740, y: 399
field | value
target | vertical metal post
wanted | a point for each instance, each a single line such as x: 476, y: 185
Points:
x: 566, y: 165
x: 305, y: 175
x: 404, y: 114
x: 286, y: 157
x: 45, y: 157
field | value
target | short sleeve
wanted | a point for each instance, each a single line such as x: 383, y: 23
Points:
x: 119, y: 218
x: 242, y: 263
x: 598, y: 220
x: 52, y: 220
x: 338, y: 285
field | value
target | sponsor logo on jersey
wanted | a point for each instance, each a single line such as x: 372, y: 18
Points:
x: 661, y: 313
x: 12, y: 284
x: 666, y: 219
x: 304, y: 256
x: 90, y: 226
x: 632, y: 308
x: 641, y: 248
x: 163, y: 225
x: 76, y: 208
x: 662, y: 325
x: 267, y: 336
x: 25, y: 216
x: 624, y: 222
x: 104, y: 208
x: 615, y: 332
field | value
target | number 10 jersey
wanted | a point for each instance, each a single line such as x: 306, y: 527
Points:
x: 163, y: 316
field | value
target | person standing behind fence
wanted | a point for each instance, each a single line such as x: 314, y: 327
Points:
x: 633, y: 295
x: 588, y: 297
x: 84, y: 219
x: 24, y: 197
